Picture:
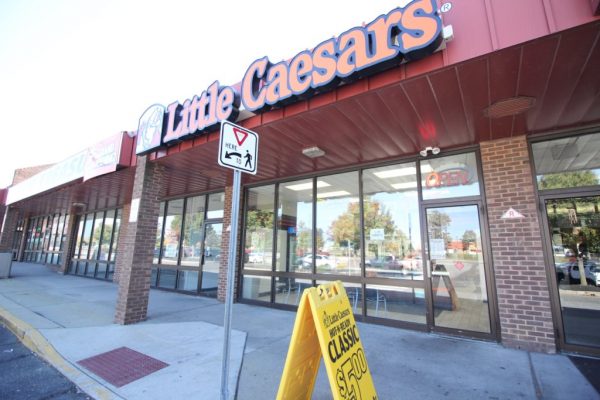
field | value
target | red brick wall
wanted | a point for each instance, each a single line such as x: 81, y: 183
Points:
x: 136, y: 246
x: 8, y: 229
x: 225, y: 246
x: 519, y: 268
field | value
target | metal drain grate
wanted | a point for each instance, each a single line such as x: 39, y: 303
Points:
x: 122, y: 366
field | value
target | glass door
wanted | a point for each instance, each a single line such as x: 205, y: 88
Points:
x: 456, y: 269
x: 211, y: 258
x: 574, y: 231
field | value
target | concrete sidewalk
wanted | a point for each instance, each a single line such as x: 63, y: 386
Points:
x: 67, y: 319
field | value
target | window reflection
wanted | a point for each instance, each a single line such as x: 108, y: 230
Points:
x: 256, y: 288
x: 172, y: 228
x: 115, y: 240
x: 567, y: 162
x: 109, y: 223
x: 259, y: 228
x: 159, y: 228
x: 338, y: 225
x: 181, y: 236
x: 96, y: 244
x: 86, y: 238
x: 294, y: 226
x: 391, y: 222
x: 574, y: 227
x: 450, y: 176
x: 192, y: 231
x: 216, y: 205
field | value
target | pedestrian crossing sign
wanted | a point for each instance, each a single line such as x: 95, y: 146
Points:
x: 238, y: 148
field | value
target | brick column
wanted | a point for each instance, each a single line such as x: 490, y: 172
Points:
x: 70, y: 240
x: 121, y: 243
x: 225, y: 247
x: 519, y: 267
x: 8, y: 229
x: 137, y: 246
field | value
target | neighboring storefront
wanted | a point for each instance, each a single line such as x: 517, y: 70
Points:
x: 96, y: 244
x: 442, y: 166
x: 567, y: 173
x: 45, y: 237
x: 187, y: 251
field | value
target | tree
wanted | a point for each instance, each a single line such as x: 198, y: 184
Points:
x: 259, y: 230
x: 304, y: 245
x: 568, y: 179
x: 468, y: 237
x: 438, y: 225
x: 345, y: 230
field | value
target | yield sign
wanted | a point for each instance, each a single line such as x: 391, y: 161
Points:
x: 240, y: 135
x: 238, y: 148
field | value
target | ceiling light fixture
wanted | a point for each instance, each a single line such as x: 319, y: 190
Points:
x: 426, y: 150
x: 336, y: 193
x: 307, y: 186
x: 313, y: 152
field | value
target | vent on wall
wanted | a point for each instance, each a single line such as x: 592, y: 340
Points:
x: 509, y: 107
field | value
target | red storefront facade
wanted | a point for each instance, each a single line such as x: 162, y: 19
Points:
x: 436, y: 195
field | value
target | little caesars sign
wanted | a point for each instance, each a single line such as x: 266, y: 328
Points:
x: 403, y: 34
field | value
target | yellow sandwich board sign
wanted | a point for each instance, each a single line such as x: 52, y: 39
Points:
x: 325, y: 326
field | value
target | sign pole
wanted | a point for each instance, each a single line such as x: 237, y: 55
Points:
x: 235, y: 207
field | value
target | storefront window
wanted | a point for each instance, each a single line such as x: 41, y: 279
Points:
x: 87, y: 235
x: 97, y: 235
x: 63, y: 238
x: 449, y: 177
x: 391, y: 222
x: 259, y: 228
x: 188, y: 244
x: 338, y: 225
x: 216, y: 205
x: 173, y: 219
x: 257, y: 288
x: 568, y: 162
x: 295, y: 226
x: 192, y: 232
x: 109, y: 224
x: 159, y: 229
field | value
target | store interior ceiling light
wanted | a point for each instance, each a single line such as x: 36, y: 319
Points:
x: 393, y: 173
x: 404, y: 185
x: 78, y: 204
x: 307, y: 186
x: 406, y: 171
x: 337, y: 193
x: 509, y: 107
x: 313, y: 152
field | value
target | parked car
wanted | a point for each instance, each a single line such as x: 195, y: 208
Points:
x: 171, y: 251
x: 320, y: 259
x: 385, y: 262
x: 571, y: 269
x: 256, y: 257
x: 563, y: 251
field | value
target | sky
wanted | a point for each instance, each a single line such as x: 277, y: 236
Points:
x: 74, y: 72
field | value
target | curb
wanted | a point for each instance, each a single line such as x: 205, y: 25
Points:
x: 36, y: 342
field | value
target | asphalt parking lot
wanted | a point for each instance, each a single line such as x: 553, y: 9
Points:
x: 24, y: 376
